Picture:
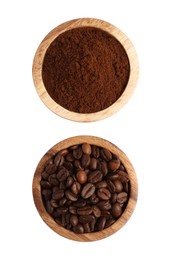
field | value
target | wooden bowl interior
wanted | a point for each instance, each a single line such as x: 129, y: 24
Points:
x: 95, y: 235
x: 38, y: 62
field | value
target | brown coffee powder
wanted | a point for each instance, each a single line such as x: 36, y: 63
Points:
x: 85, y: 70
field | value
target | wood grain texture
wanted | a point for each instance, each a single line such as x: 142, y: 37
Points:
x: 88, y: 236
x: 38, y: 61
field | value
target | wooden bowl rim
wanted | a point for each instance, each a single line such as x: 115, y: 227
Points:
x: 38, y: 62
x: 86, y: 236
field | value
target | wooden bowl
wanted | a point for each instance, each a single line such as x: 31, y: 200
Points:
x: 38, y: 63
x: 94, y: 235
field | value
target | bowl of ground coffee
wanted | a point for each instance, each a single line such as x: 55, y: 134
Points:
x: 85, y: 188
x: 85, y: 69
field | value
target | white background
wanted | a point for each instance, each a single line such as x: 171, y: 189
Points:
x: 144, y: 129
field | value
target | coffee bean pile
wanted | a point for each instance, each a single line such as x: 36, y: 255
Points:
x: 85, y: 188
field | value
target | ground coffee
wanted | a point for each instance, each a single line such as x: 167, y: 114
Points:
x: 85, y: 188
x: 85, y: 70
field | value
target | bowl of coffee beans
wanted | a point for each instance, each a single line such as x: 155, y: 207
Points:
x: 85, y: 188
x: 85, y: 70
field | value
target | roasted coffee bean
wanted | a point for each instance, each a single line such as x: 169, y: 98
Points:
x: 85, y: 160
x: 77, y: 153
x: 62, y: 201
x: 116, y: 210
x: 45, y: 175
x: 73, y: 220
x: 113, y: 198
x: 104, y: 205
x: 68, y: 166
x: 62, y: 174
x: 77, y: 164
x: 58, y: 195
x: 122, y: 197
x: 54, y: 203
x: 86, y: 227
x: 94, y: 199
x: 70, y: 195
x: 101, y: 223
x: 88, y: 190
x: 81, y: 177
x: 114, y: 165
x: 86, y: 219
x: 101, y: 184
x: 87, y: 210
x: 80, y: 203
x: 95, y: 176
x: 86, y: 148
x: 111, y: 186
x: 104, y: 168
x: 45, y: 184
x: 104, y: 194
x: 109, y: 222
x: 49, y: 208
x: 105, y: 154
x: 95, y: 151
x: 53, y: 180
x: 69, y: 157
x: 59, y: 160
x: 78, y: 229
x: 96, y: 211
x: 123, y: 176
x: 69, y: 181
x: 51, y: 168
x: 93, y: 164
x: 76, y: 187
x: 85, y: 188
x: 46, y: 193
x: 118, y: 186
x: 73, y: 210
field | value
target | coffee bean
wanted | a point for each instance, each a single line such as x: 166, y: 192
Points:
x: 84, y: 188
x: 114, y: 165
x: 118, y: 186
x: 95, y: 176
x: 76, y: 187
x: 105, y: 154
x: 80, y: 203
x: 93, y: 164
x: 116, y: 210
x: 104, y: 194
x: 62, y: 174
x: 51, y: 169
x: 59, y: 159
x: 96, y: 211
x: 81, y: 177
x: 70, y: 195
x: 69, y: 181
x: 85, y: 160
x: 58, y: 195
x: 123, y: 176
x: 74, y: 220
x: 88, y: 190
x: 86, y: 219
x: 53, y: 179
x: 87, y: 210
x: 86, y: 148
x: 122, y: 197
x: 95, y: 151
x: 46, y: 193
x: 45, y: 175
x: 77, y: 153
x: 104, y: 205
x: 78, y: 229
x: 101, y: 223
